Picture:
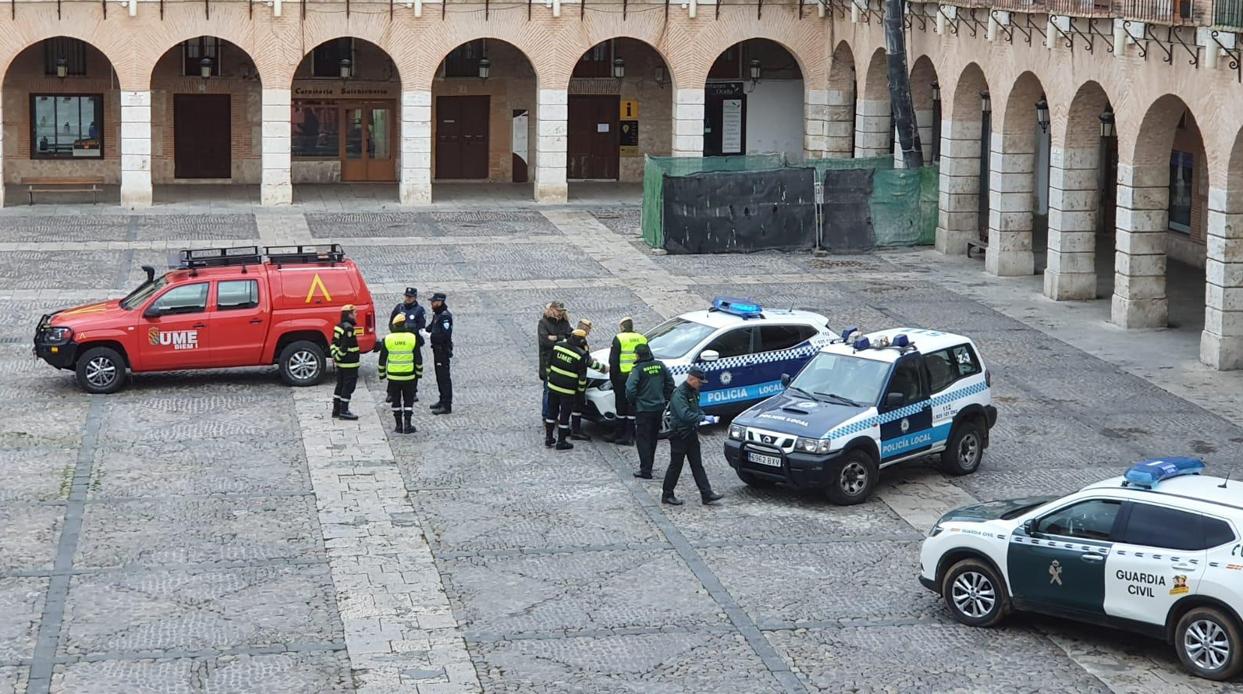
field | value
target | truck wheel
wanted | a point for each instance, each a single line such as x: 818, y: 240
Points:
x: 1207, y: 641
x: 975, y: 594
x: 302, y: 363
x: 754, y: 481
x: 853, y: 480
x: 966, y: 448
x: 100, y: 370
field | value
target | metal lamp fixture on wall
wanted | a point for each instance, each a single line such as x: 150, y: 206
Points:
x: 1042, y: 114
x: 619, y: 68
x: 986, y: 102
x: 485, y: 68
x: 756, y: 70
x: 1107, y: 122
x: 936, y: 91
x: 205, y: 68
x: 347, y: 68
x: 62, y: 68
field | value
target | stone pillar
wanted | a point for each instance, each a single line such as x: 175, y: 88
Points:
x: 923, y: 121
x: 872, y: 129
x: 1139, y: 279
x: 688, y: 123
x: 1073, y: 209
x: 551, y: 145
x: 815, y: 123
x: 416, y: 147
x: 136, y: 149
x: 1221, y: 343
x: 959, y: 189
x: 276, y: 187
x: 1010, y: 207
x: 839, y: 126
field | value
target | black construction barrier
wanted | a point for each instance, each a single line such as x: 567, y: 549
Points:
x: 846, y: 216
x: 740, y: 211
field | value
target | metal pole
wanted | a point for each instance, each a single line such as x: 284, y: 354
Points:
x: 900, y: 86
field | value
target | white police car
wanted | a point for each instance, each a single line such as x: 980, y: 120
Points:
x: 742, y: 347
x: 865, y: 403
x: 1157, y: 551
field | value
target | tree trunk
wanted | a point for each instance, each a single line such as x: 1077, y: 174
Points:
x: 900, y: 86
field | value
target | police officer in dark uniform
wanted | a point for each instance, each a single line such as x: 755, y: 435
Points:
x: 441, y: 337
x: 685, y: 416
x: 648, y: 389
x: 416, y: 321
x: 565, y: 379
x: 345, y: 353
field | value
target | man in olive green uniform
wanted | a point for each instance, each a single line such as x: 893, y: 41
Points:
x: 622, y: 357
x: 648, y: 390
x: 399, y: 366
x: 685, y: 416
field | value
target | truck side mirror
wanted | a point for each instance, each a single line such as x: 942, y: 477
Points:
x: 1029, y: 526
x: 709, y: 355
x: 785, y: 380
x: 893, y: 400
x: 154, y: 311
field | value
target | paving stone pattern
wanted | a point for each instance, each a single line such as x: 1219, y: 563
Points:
x: 218, y: 532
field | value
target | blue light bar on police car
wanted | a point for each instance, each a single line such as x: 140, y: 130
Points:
x: 738, y: 307
x: 901, y: 341
x: 848, y: 332
x: 1147, y: 473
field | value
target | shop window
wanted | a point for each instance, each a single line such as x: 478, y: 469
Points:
x: 596, y: 62
x: 72, y: 51
x: 463, y: 61
x: 316, y: 130
x: 1182, y: 168
x: 728, y: 65
x: 326, y: 58
x: 193, y: 52
x: 66, y: 126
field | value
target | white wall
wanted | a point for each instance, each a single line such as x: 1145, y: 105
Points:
x: 775, y: 118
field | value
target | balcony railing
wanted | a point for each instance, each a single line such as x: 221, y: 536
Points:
x: 1228, y: 13
x: 1159, y: 11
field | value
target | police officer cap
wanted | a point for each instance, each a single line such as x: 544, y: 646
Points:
x: 399, y: 319
x: 438, y: 296
x: 412, y: 291
x: 696, y: 372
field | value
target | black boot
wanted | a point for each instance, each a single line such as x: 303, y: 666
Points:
x: 670, y: 499
x: 442, y: 408
x: 626, y: 426
x: 643, y: 475
x: 711, y: 497
x: 344, y: 411
x: 562, y: 444
x: 409, y: 425
x: 399, y: 429
x: 336, y: 408
x: 576, y: 428
x: 549, y: 441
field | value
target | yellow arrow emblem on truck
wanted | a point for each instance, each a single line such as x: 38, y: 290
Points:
x: 317, y: 282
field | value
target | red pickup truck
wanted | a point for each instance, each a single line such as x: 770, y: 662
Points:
x: 219, y: 308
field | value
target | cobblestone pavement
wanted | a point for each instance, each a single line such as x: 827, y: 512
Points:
x: 217, y: 532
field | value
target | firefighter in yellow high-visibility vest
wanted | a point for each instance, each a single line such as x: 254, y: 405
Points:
x: 622, y: 358
x: 400, y: 365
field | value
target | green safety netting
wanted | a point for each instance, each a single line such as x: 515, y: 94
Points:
x: 903, y: 203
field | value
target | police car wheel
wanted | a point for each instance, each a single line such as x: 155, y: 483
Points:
x: 975, y: 594
x: 1207, y: 641
x: 966, y: 448
x: 851, y: 481
x: 100, y: 370
x: 301, y: 363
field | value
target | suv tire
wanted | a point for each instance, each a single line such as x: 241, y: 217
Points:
x: 301, y: 363
x: 1208, y: 643
x: 966, y: 448
x: 975, y: 594
x: 101, y: 370
x: 853, y: 479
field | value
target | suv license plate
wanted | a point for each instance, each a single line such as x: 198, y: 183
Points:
x: 761, y: 459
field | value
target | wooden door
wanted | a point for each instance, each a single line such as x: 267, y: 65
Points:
x: 462, y: 137
x: 202, y: 136
x: 593, y: 137
x: 367, y: 142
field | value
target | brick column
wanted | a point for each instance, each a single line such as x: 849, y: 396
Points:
x: 688, y: 123
x: 839, y: 125
x: 136, y: 149
x: 815, y: 125
x: 1221, y: 343
x: 416, y: 147
x: 1010, y: 207
x: 276, y: 187
x: 959, y: 188
x: 1071, y: 269
x: 872, y: 129
x: 551, y: 145
x: 1139, y: 279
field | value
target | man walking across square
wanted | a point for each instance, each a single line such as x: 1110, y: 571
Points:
x: 685, y: 416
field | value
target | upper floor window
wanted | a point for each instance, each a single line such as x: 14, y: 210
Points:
x: 463, y: 61
x: 71, y: 51
x: 326, y: 58
x: 193, y: 52
x: 596, y: 62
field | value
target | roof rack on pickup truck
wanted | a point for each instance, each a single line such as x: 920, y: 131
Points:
x: 192, y: 258
x: 312, y: 253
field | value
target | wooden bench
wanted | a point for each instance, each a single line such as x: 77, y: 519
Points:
x: 63, y: 184
x: 975, y: 245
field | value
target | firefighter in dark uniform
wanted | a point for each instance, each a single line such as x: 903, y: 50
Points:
x: 622, y: 357
x: 684, y: 418
x: 398, y: 365
x: 580, y: 401
x: 346, y: 355
x: 441, y: 337
x: 648, y: 388
x: 566, y: 378
x: 416, y: 320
